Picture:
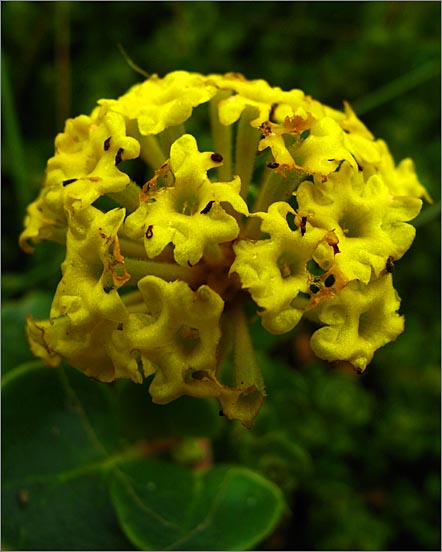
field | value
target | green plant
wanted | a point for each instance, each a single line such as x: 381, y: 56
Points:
x: 155, y: 275
x: 356, y: 457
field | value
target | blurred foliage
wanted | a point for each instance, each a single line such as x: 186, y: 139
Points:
x: 357, y: 457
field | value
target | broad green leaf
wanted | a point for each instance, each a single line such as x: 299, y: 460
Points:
x: 62, y: 433
x: 56, y: 442
x: 60, y: 513
x: 15, y: 348
x: 162, y: 506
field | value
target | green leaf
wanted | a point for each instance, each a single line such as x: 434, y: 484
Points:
x: 60, y: 514
x: 15, y: 348
x: 56, y: 443
x: 162, y: 506
x: 62, y: 435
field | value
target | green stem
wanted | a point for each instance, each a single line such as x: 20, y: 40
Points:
x: 151, y: 152
x: 397, y: 87
x: 132, y: 298
x: 128, y: 198
x: 140, y: 449
x: 246, y: 147
x: 267, y: 193
x: 132, y: 248
x: 21, y: 370
x: 170, y: 272
x: 277, y: 188
x: 131, y: 63
x: 168, y: 137
x: 222, y: 136
x: 246, y: 371
x: 429, y: 214
x: 274, y: 188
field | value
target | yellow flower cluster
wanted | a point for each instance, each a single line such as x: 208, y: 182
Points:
x: 295, y: 206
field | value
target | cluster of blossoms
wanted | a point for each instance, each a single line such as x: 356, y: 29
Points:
x: 296, y: 207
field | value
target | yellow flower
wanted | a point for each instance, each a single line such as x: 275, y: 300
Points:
x: 360, y: 320
x: 87, y: 307
x: 158, y: 103
x: 368, y: 221
x: 317, y: 149
x: 189, y: 212
x: 257, y: 94
x: 294, y: 207
x: 275, y: 270
x: 401, y: 180
x: 84, y: 168
x: 175, y: 335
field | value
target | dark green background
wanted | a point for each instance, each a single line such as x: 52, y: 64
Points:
x: 376, y: 483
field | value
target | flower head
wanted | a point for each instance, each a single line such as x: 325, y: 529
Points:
x: 293, y: 206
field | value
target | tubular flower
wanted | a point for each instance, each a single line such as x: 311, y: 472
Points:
x: 368, y: 221
x: 358, y: 321
x: 188, y: 213
x: 275, y: 270
x: 84, y: 168
x: 294, y: 206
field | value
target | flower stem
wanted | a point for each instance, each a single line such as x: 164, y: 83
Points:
x: 246, y: 146
x: 132, y: 298
x: 275, y: 187
x: 246, y: 371
x: 131, y: 248
x: 222, y: 136
x: 168, y: 137
x: 151, y: 152
x: 170, y: 272
x: 129, y: 197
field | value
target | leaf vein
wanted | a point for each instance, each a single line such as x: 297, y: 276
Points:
x: 205, y: 523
